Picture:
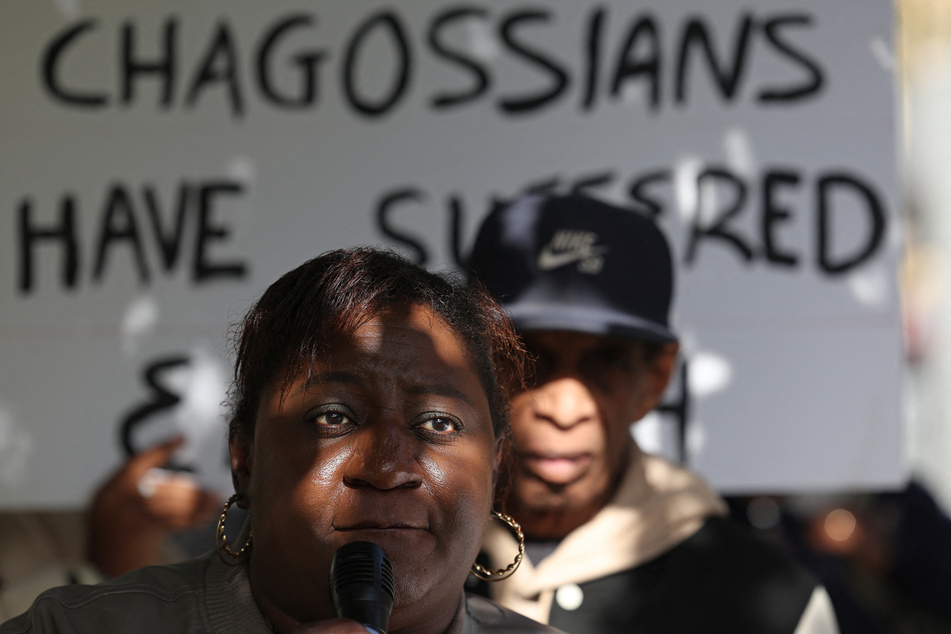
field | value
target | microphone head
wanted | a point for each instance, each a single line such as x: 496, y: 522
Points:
x: 361, y: 584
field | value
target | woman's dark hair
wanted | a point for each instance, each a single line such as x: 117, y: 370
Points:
x: 302, y: 315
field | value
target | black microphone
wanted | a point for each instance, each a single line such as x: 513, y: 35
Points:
x: 361, y: 584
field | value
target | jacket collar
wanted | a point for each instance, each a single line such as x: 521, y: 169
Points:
x: 658, y: 505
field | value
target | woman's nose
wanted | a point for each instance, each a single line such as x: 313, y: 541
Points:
x: 565, y: 401
x: 383, y: 458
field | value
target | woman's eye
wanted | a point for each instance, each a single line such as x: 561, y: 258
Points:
x: 332, y: 416
x: 440, y: 425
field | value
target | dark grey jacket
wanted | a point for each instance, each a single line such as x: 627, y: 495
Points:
x: 202, y: 595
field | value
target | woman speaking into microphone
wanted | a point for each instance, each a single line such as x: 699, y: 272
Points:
x: 369, y: 405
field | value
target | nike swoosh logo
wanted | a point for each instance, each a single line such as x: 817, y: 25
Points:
x: 548, y: 260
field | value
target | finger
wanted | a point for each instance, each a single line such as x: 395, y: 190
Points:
x: 122, y: 487
x: 178, y: 502
x: 152, y: 458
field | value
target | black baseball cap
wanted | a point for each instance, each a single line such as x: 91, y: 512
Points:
x: 579, y: 264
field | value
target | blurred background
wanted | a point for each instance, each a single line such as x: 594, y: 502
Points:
x: 886, y: 556
x: 925, y: 38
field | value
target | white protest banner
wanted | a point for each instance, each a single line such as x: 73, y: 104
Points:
x: 162, y: 163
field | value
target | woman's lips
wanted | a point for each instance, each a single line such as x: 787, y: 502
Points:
x: 381, y: 526
x: 556, y: 469
x: 394, y: 538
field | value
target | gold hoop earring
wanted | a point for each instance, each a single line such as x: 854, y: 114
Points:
x: 503, y: 573
x: 221, y: 540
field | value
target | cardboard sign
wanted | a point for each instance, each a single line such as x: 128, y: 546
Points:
x: 162, y: 164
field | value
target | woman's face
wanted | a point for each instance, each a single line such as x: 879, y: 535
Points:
x: 390, y: 440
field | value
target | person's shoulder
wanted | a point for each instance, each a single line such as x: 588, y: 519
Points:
x: 489, y: 616
x: 740, y: 554
x: 724, y: 538
x: 165, y: 583
x: 154, y: 594
x: 731, y: 562
x: 723, y: 578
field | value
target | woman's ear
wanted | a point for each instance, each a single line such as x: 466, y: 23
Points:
x: 497, y: 459
x: 502, y: 465
x: 240, y: 449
